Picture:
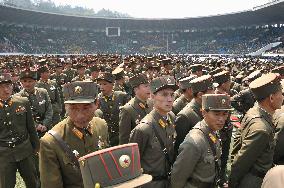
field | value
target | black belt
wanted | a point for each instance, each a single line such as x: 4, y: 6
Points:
x: 12, y: 144
x: 257, y: 173
x: 159, y: 178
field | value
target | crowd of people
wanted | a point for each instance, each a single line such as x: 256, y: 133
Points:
x: 50, y: 40
x: 184, y: 112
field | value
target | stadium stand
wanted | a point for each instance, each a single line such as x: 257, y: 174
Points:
x: 27, y: 31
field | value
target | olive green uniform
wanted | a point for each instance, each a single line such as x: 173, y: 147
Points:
x: 186, y: 120
x: 129, y: 116
x: 279, y: 136
x: 195, y: 164
x: 54, y: 96
x: 179, y: 104
x: 70, y: 73
x: 56, y: 168
x: 253, y: 152
x: 18, y: 143
x: 40, y: 105
x: 109, y: 105
x: 153, y: 160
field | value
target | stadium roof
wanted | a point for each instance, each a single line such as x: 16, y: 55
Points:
x: 268, y: 14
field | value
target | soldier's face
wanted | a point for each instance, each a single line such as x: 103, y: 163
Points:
x: 276, y: 100
x: 105, y: 87
x: 6, y: 90
x: 163, y: 100
x: 215, y: 119
x: 143, y: 91
x: 28, y: 83
x: 44, y: 75
x: 81, y: 114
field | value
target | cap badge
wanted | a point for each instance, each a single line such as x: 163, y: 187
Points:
x: 223, y: 101
x: 78, y: 89
x: 124, y: 161
x: 169, y: 81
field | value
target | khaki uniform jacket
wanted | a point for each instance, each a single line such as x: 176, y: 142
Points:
x: 40, y: 104
x: 16, y: 122
x: 186, y: 120
x: 56, y: 169
x: 129, y: 116
x: 195, y: 159
x: 256, y: 147
x: 279, y: 136
x: 179, y: 104
x: 153, y: 160
x: 53, y: 93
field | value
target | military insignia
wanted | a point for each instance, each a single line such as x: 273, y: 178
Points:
x: 137, y: 121
x: 124, y: 161
x: 97, y: 185
x: 169, y: 81
x: 78, y: 133
x: 142, y: 105
x: 82, y: 162
x: 162, y: 123
x: 78, y: 89
x: 213, y: 138
x: 20, y: 109
x: 76, y: 153
x: 223, y: 101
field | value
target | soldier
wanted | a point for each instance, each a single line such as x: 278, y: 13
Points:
x: 191, y: 114
x: 53, y: 93
x: 109, y: 103
x: 39, y: 101
x: 198, y: 162
x: 155, y: 134
x: 185, y: 98
x: 81, y: 73
x: 119, y: 84
x: 131, y: 113
x: 253, y: 152
x: 69, y: 71
x: 95, y: 71
x: 77, y: 135
x: 18, y: 138
x: 196, y: 69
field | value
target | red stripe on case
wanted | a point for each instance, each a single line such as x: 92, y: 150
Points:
x: 117, y: 167
x: 106, y: 168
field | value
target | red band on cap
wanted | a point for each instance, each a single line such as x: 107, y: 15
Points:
x: 139, y: 165
x: 132, y: 153
x: 117, y: 167
x: 106, y: 168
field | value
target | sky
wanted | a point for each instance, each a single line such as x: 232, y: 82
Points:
x: 167, y: 8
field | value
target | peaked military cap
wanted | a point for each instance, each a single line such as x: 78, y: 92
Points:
x: 94, y: 68
x: 118, y: 73
x: 43, y: 69
x: 185, y: 82
x: 117, y: 167
x: 201, y: 84
x: 163, y: 82
x: 254, y: 75
x: 196, y: 67
x: 5, y: 78
x: 279, y: 70
x: 28, y: 74
x: 265, y: 85
x: 222, y: 77
x: 107, y: 76
x: 216, y: 102
x: 138, y: 79
x: 80, y: 92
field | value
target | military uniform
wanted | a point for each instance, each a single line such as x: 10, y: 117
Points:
x: 18, y: 143
x: 81, y: 78
x: 109, y: 105
x: 254, y: 149
x: 195, y: 165
x: 55, y: 167
x: 54, y: 96
x: 179, y: 104
x: 129, y: 116
x: 186, y: 120
x: 70, y: 73
x: 65, y: 143
x: 279, y: 136
x: 153, y: 160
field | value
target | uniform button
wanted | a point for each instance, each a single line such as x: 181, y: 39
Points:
x: 8, y: 114
x: 10, y: 123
